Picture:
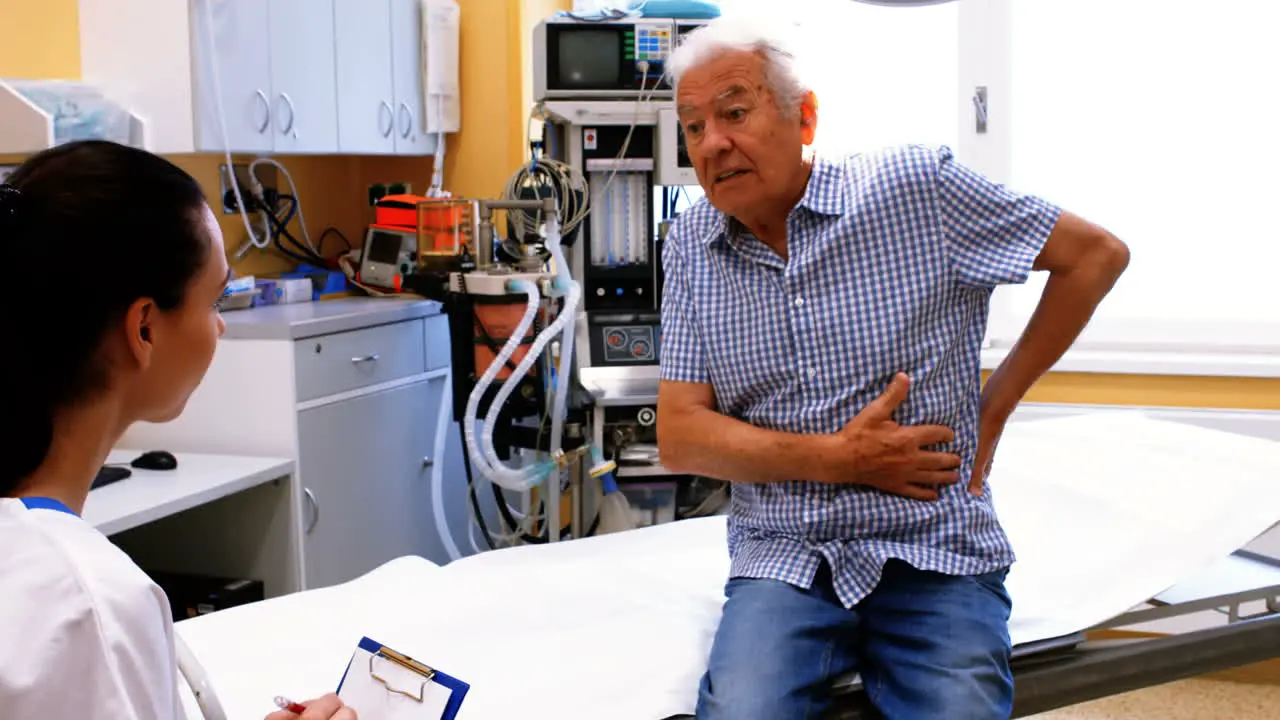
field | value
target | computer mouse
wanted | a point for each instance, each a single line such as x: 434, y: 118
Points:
x: 155, y: 460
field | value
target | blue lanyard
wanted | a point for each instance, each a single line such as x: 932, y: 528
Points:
x: 44, y: 503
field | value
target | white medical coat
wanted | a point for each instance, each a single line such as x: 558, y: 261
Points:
x: 84, y: 633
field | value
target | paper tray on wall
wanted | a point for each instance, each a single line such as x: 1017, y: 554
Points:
x: 39, y: 114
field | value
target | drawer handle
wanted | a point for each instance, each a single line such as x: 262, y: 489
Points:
x: 366, y: 358
x: 315, y: 510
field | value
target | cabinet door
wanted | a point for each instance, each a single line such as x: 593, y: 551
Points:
x: 235, y: 69
x: 366, y: 95
x: 305, y: 97
x: 366, y: 464
x: 406, y: 66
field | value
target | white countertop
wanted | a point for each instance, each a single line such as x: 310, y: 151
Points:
x: 150, y: 495
x: 302, y: 320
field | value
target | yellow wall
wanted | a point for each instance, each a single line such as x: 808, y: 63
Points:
x: 40, y: 39
x: 1103, y: 389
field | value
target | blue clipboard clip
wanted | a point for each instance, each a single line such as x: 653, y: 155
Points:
x: 424, y: 673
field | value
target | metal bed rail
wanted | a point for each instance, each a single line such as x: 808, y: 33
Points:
x: 1101, y: 668
x: 1051, y: 676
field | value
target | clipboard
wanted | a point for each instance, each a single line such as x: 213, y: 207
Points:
x: 383, y: 684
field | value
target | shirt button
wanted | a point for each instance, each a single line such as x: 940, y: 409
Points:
x: 813, y: 372
x: 799, y: 302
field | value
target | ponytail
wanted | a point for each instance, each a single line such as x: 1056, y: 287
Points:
x: 28, y: 419
x: 28, y: 433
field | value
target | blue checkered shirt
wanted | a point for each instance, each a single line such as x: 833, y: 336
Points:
x: 892, y: 258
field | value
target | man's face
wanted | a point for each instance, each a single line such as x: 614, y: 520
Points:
x: 746, y: 152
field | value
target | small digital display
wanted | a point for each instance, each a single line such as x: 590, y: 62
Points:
x: 588, y: 58
x: 384, y: 247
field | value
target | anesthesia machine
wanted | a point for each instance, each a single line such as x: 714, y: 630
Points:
x: 607, y: 103
x: 554, y: 309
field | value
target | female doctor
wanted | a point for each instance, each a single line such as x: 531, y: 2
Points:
x: 115, y: 266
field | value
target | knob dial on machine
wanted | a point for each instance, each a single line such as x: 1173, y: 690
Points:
x: 646, y: 417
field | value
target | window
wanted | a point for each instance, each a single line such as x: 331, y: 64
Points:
x: 883, y: 75
x: 1157, y: 121
x: 1153, y: 119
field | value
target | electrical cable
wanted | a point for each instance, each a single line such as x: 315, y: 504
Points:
x: 567, y: 186
x: 635, y: 120
x: 509, y: 519
x: 437, y: 473
x: 335, y: 231
x: 293, y: 190
x: 278, y: 231
x: 216, y: 79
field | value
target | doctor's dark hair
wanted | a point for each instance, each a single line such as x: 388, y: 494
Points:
x: 87, y: 228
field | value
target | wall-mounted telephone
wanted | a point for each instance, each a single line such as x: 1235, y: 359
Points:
x: 441, y: 93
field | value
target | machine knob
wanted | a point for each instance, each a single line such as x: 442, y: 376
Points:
x: 646, y: 417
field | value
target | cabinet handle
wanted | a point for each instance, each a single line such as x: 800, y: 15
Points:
x: 391, y: 118
x: 427, y: 461
x: 288, y: 103
x: 266, y: 109
x: 315, y: 509
x: 407, y: 116
x: 366, y: 358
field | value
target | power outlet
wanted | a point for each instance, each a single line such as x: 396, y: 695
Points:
x: 266, y: 175
x: 377, y: 191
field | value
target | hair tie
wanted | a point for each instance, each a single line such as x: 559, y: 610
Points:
x: 11, y: 201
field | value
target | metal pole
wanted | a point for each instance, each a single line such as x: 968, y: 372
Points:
x: 484, y: 248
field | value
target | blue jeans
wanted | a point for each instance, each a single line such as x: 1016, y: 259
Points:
x: 927, y: 646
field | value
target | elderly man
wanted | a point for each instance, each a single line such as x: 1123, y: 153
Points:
x: 822, y: 321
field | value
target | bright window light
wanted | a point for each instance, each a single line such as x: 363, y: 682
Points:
x: 1158, y: 121
x: 883, y: 75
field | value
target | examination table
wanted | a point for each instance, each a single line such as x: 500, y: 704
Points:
x: 1116, y: 518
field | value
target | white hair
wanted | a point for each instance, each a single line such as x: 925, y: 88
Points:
x: 783, y: 69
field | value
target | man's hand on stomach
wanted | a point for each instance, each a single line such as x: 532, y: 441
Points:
x: 870, y: 450
x: 874, y: 450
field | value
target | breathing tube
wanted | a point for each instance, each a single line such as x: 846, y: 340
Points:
x: 534, y: 474
x: 568, y: 314
x: 483, y: 454
x: 473, y: 401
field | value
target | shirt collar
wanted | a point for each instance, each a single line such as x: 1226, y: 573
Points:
x: 823, y: 195
x: 46, y: 503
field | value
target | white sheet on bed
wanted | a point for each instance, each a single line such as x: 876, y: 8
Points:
x: 1105, y: 511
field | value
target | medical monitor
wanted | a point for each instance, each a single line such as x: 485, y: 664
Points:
x: 604, y: 59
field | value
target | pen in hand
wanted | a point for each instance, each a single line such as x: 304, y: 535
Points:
x: 285, y: 703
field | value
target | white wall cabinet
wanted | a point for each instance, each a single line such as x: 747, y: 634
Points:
x: 285, y: 76
x: 406, y: 67
x: 365, y: 77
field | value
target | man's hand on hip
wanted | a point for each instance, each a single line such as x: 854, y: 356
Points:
x: 998, y: 403
x: 989, y: 431
x: 873, y: 449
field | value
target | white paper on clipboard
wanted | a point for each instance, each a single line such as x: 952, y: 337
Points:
x: 378, y: 688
